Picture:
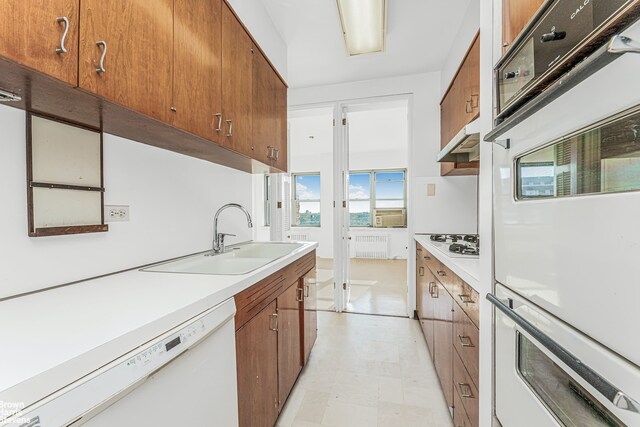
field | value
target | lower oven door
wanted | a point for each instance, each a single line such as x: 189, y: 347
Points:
x: 549, y: 374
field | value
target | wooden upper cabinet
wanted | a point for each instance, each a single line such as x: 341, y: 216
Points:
x: 264, y: 109
x: 197, y: 75
x: 280, y: 119
x: 257, y: 360
x: 126, y: 53
x: 32, y: 33
x: 516, y: 14
x: 289, y: 342
x: 460, y: 106
x: 237, y: 84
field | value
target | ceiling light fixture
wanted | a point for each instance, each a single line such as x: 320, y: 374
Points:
x: 363, y: 25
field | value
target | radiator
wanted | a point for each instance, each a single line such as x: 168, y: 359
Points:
x: 300, y: 237
x: 371, y: 246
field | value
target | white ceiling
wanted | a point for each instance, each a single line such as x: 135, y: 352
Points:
x: 420, y: 33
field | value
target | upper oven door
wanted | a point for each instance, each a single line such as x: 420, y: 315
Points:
x: 567, y: 206
x: 538, y: 383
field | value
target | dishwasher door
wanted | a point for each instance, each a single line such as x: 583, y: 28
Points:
x: 197, y: 388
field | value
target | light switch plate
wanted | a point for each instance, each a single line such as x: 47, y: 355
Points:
x: 431, y: 190
x: 116, y: 213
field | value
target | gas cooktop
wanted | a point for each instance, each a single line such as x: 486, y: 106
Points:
x: 457, y: 245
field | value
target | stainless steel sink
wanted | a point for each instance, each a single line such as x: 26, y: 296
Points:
x: 236, y: 260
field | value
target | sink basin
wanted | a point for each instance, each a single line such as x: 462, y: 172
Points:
x: 237, y: 259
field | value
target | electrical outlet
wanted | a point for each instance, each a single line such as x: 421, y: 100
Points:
x: 114, y: 213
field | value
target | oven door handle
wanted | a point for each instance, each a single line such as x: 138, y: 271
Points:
x: 604, y: 387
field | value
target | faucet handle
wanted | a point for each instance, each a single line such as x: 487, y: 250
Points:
x: 221, y: 235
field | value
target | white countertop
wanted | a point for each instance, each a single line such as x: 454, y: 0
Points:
x: 52, y: 338
x: 468, y: 269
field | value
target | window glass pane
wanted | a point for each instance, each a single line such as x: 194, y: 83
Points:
x: 359, y: 186
x: 389, y: 204
x: 604, y: 159
x: 559, y: 392
x: 360, y: 213
x: 390, y: 190
x: 389, y: 176
x: 307, y: 187
x: 307, y: 214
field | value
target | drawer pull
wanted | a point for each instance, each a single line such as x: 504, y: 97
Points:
x: 421, y: 271
x: 465, y: 391
x: 274, y: 317
x: 441, y: 273
x: 465, y: 341
x: 466, y: 299
x: 219, y: 116
x: 230, y: 127
x: 433, y: 290
x: 299, y: 294
x: 306, y: 291
x: 428, y: 258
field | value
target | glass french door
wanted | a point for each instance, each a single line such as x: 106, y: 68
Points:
x: 341, y: 209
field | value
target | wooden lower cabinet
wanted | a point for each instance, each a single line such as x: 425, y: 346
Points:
x: 289, y: 342
x: 258, y: 370
x: 309, y: 314
x: 443, y: 340
x: 447, y: 308
x: 271, y: 340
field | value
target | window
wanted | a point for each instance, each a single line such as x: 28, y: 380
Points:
x: 604, y: 158
x: 377, y: 190
x: 267, y: 200
x: 306, y: 200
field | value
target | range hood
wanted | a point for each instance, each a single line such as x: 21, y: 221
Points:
x: 464, y: 147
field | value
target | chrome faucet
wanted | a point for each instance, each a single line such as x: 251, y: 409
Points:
x: 218, y: 238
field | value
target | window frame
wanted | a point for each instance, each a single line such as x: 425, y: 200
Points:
x: 267, y: 200
x: 372, y: 192
x: 295, y: 200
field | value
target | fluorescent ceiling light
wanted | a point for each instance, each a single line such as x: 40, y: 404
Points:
x: 363, y: 25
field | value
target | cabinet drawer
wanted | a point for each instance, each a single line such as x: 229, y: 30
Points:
x: 460, y: 417
x: 466, y: 342
x: 452, y: 283
x: 469, y: 300
x: 465, y: 388
x: 431, y: 262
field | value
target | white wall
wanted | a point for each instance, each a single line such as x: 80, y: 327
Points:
x: 173, y: 199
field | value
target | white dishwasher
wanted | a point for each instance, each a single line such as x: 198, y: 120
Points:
x: 185, y: 377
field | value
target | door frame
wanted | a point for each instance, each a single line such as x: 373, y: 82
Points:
x: 340, y: 211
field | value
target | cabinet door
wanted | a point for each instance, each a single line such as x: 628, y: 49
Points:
x: 31, y: 34
x: 257, y: 360
x: 427, y: 308
x: 264, y: 110
x: 197, y: 59
x: 134, y: 39
x: 471, y: 80
x: 289, y: 349
x: 280, y: 120
x: 443, y: 340
x: 237, y: 87
x: 516, y: 14
x: 310, y: 317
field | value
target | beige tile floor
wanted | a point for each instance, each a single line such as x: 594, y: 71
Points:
x: 370, y: 371
x: 377, y: 286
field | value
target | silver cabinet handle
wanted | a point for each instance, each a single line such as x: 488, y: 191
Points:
x: 62, y: 48
x: 299, y: 294
x: 466, y: 299
x: 465, y: 390
x: 274, y: 316
x: 230, y: 124
x: 306, y: 291
x: 421, y: 271
x: 428, y: 258
x: 101, y: 68
x: 433, y: 290
x: 468, y: 107
x: 441, y: 273
x: 277, y: 151
x: 270, y: 152
x: 219, y: 116
x: 465, y: 341
x: 477, y: 103
x: 611, y: 392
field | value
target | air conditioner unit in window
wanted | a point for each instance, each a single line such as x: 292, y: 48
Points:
x: 390, y: 217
